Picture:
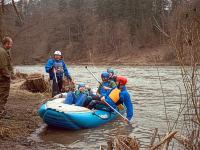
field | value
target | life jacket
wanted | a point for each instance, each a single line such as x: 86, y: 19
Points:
x: 114, y: 96
x: 59, y: 68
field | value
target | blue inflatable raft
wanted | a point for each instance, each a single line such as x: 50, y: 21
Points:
x: 56, y: 113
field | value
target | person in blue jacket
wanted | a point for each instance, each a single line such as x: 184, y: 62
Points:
x: 57, y: 69
x: 106, y: 85
x: 112, y: 75
x: 115, y: 98
x: 80, y: 97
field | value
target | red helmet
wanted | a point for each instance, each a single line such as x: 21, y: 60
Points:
x: 121, y: 80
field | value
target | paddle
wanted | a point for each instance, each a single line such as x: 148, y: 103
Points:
x: 54, y: 72
x: 93, y: 75
x: 105, y: 101
x: 117, y: 112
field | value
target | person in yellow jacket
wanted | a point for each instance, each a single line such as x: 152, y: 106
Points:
x: 116, y: 98
x: 5, y: 73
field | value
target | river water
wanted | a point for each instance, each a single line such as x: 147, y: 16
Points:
x: 144, y: 86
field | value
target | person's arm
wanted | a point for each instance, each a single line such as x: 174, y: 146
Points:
x: 127, y: 102
x: 110, y: 102
x: 49, y: 65
x: 77, y: 92
x: 4, y: 65
x: 66, y: 72
x: 112, y: 84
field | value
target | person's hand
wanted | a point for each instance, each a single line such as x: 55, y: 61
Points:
x: 98, y: 94
x: 106, y: 88
x: 87, y: 87
x: 103, y: 98
x: 43, y: 100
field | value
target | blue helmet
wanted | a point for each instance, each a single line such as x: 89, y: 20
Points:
x: 81, y: 85
x: 105, y: 75
x: 110, y: 70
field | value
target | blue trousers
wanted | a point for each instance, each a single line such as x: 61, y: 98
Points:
x: 77, y: 100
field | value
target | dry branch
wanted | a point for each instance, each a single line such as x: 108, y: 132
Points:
x: 167, y: 138
x: 153, y: 137
x: 160, y: 28
x: 183, y: 141
x: 68, y: 86
x: 110, y: 146
x: 123, y: 142
x: 16, y: 11
x: 195, y: 121
x: 19, y: 75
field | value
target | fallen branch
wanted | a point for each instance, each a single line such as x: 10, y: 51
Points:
x: 123, y: 142
x: 164, y: 140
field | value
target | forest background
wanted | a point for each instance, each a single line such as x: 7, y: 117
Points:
x: 96, y: 31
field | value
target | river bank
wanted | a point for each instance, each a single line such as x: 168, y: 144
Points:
x: 21, y: 118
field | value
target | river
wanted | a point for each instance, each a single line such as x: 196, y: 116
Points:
x: 144, y: 86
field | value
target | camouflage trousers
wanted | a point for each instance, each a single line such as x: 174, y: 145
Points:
x: 4, y: 93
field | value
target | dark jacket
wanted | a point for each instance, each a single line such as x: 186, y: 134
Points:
x: 5, y: 64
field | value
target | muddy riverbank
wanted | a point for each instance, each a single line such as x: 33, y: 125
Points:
x: 21, y: 118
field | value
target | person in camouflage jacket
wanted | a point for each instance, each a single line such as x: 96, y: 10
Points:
x: 5, y: 73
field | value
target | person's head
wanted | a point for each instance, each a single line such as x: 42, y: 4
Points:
x: 7, y: 42
x: 121, y: 81
x: 81, y: 87
x: 57, y: 55
x: 110, y: 71
x: 105, y: 76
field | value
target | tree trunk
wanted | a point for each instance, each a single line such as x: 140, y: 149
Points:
x: 35, y: 83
